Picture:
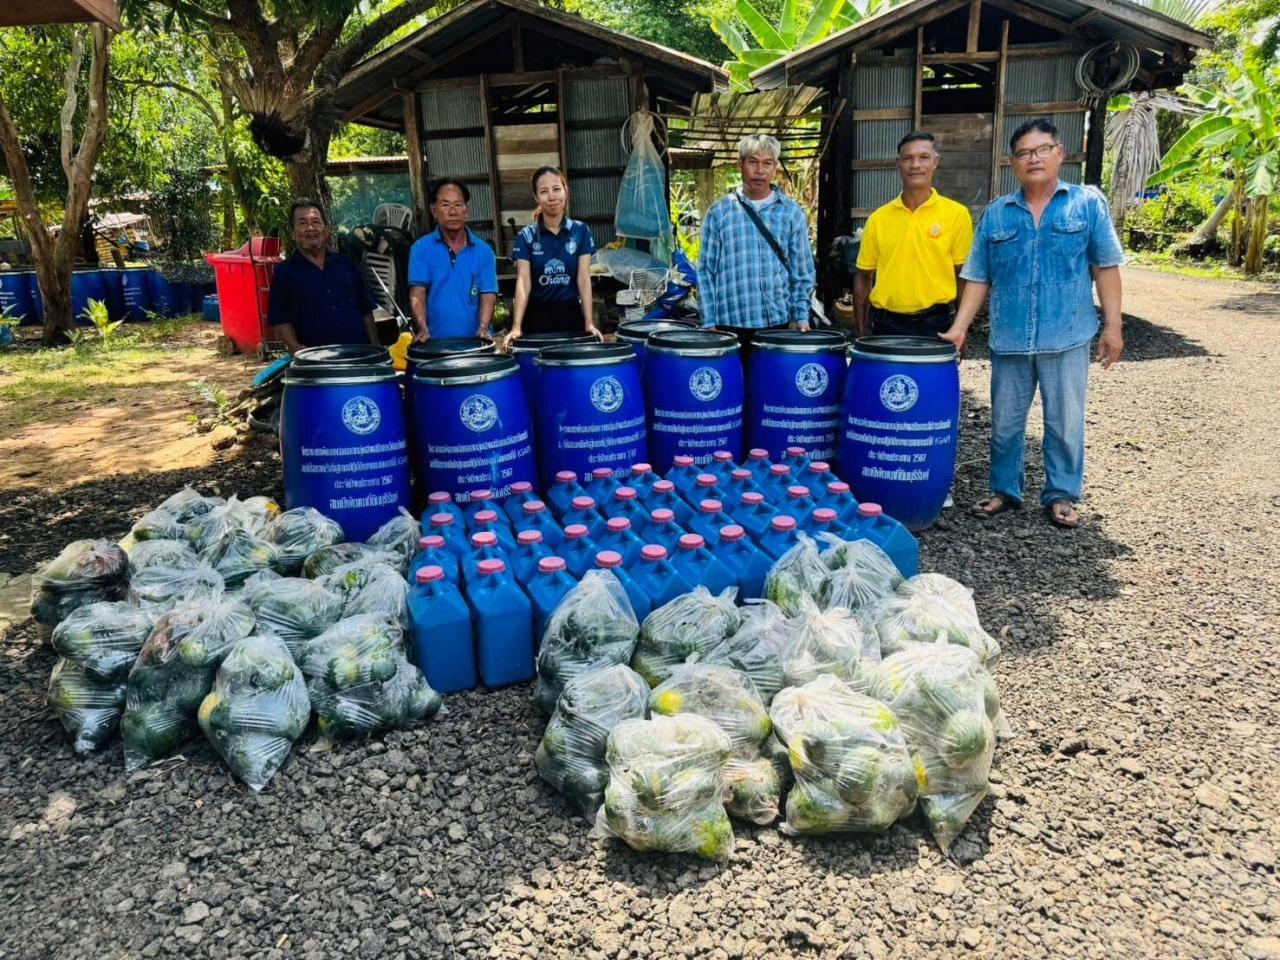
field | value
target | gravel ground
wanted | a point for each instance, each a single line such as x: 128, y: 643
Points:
x: 1136, y: 814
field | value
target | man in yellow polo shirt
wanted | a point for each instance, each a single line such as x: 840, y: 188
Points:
x: 913, y: 247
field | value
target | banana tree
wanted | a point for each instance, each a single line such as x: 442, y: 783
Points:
x: 1239, y: 136
x: 794, y: 31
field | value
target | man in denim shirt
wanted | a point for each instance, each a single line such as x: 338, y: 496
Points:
x: 1039, y: 250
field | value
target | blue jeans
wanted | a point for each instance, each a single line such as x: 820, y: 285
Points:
x: 1062, y: 378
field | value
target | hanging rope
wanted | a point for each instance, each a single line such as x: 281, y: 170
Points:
x: 1116, y: 61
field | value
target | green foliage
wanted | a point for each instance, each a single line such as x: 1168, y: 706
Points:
x: 1182, y: 208
x: 181, y: 210
x: 95, y: 312
x: 672, y: 23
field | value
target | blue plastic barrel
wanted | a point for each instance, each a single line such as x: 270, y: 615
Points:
x: 209, y: 309
x: 795, y: 387
x: 113, y: 289
x: 196, y: 303
x: 476, y: 433
x: 693, y: 381
x: 135, y: 290
x: 18, y: 291
x: 591, y: 409
x: 636, y: 333
x: 525, y: 350
x: 420, y: 353
x: 86, y: 285
x: 901, y: 412
x: 342, y: 437
x: 167, y: 299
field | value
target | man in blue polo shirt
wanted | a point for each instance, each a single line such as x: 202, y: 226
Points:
x: 453, y: 274
x: 318, y: 296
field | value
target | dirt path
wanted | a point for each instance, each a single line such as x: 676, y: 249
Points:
x: 1136, y: 814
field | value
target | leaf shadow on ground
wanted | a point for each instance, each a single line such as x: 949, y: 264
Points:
x: 1262, y: 303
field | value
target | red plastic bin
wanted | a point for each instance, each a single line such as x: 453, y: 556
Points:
x: 244, y: 282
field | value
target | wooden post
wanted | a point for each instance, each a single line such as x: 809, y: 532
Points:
x: 491, y: 155
x: 1095, y: 145
x: 919, y: 99
x: 411, y: 108
x: 560, y: 126
x: 975, y: 17
x: 517, y: 44
x: 997, y: 120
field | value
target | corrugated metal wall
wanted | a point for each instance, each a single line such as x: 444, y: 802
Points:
x: 595, y: 108
x: 879, y: 86
x: 452, y: 108
x: 1044, y: 80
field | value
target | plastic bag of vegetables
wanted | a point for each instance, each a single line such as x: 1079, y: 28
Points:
x: 666, y: 787
x: 361, y: 682
x: 795, y: 575
x: 959, y: 598
x: 902, y: 622
x: 98, y: 644
x: 239, y: 555
x: 593, y: 625
x: 850, y: 758
x: 185, y: 505
x: 258, y: 514
x: 755, y: 647
x: 860, y: 574
x: 256, y: 710
x: 684, y: 629
x: 174, y: 671
x: 160, y: 553
x: 156, y: 525
x: 159, y: 588
x: 571, y: 754
x: 328, y: 559
x: 945, y: 701
x: 370, y: 587
x: 753, y: 787
x: 210, y: 531
x: 86, y: 571
x: 292, y: 608
x: 300, y: 532
x: 832, y: 641
x: 399, y: 536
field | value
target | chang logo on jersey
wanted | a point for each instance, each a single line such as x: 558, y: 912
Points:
x: 812, y: 380
x: 607, y: 394
x: 478, y: 413
x: 554, y: 274
x: 899, y: 393
x: 705, y: 383
x: 361, y: 416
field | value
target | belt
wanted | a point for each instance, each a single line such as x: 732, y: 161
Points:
x: 919, y: 314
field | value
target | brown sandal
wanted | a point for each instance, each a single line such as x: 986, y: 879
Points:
x: 1062, y: 513
x: 984, y: 509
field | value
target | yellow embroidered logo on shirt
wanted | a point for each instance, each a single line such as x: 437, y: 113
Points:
x: 936, y: 230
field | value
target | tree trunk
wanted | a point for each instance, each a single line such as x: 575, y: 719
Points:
x: 1258, y: 209
x: 305, y: 170
x: 1237, y: 224
x: 54, y: 275
x: 1206, y: 235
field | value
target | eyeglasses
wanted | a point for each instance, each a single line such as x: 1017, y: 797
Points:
x: 1042, y: 151
x: 450, y: 207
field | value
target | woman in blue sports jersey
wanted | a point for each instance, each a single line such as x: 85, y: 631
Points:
x: 553, y: 264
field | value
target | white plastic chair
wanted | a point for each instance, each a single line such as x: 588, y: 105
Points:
x: 381, y: 267
x: 393, y: 215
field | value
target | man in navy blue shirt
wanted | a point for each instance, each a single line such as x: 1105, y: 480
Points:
x: 318, y: 296
x: 453, y: 274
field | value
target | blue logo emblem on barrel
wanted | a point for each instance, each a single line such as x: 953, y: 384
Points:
x: 361, y: 416
x: 705, y: 383
x: 607, y: 394
x: 478, y: 413
x: 812, y: 380
x: 899, y: 393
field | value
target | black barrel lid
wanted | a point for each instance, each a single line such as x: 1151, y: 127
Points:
x: 921, y: 347
x: 587, y: 354
x: 548, y: 338
x: 464, y: 366
x: 632, y: 330
x: 340, y: 362
x: 694, y: 341
x: 340, y: 353
x: 800, y: 341
x: 448, y: 346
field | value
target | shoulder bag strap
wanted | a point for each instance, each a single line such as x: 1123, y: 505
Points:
x: 754, y: 216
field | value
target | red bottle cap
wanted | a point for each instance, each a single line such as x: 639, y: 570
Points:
x: 795, y: 451
x: 485, y: 494
x: 528, y: 536
x: 487, y: 567
x: 521, y: 486
x: 731, y: 533
x: 653, y: 551
x: 640, y: 469
x: 780, y: 470
x: 664, y: 486
x: 682, y: 461
x: 753, y: 498
x: 617, y: 524
x: 691, y: 541
x: 711, y: 506
x: 837, y: 487
x: 550, y: 564
x: 783, y: 522
x: 824, y: 515
x: 608, y: 558
x: 583, y: 503
x: 870, y: 509
x: 439, y: 497
x: 428, y: 574
x: 486, y: 517
x: 601, y: 473
x: 485, y: 538
x: 442, y: 519
x: 796, y: 492
x: 722, y: 456
x: 662, y: 515
x: 432, y: 542
x: 819, y: 466
x: 755, y: 453
x: 565, y: 476
x: 706, y: 480
x: 624, y: 493
x: 741, y: 474
x: 575, y: 531
x: 533, y: 506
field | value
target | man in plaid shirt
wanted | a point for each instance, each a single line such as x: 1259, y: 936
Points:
x: 742, y: 281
